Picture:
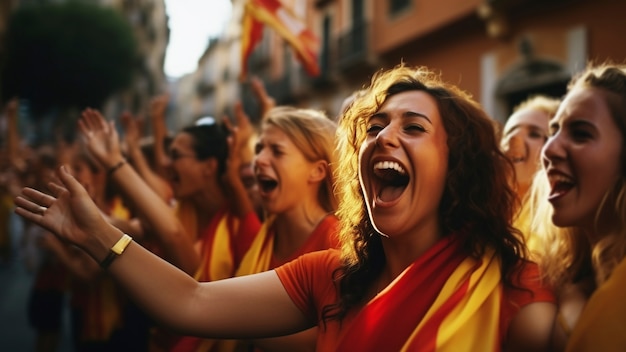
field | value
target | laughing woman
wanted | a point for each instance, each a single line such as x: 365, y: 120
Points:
x: 429, y: 259
x: 582, y: 211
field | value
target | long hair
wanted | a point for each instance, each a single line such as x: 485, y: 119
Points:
x: 477, y: 203
x: 567, y: 254
x: 314, y: 135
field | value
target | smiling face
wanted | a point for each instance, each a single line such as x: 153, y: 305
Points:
x: 403, y: 164
x: 281, y: 170
x: 525, y: 133
x: 582, y: 158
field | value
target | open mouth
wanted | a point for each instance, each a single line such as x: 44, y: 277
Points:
x: 266, y: 184
x: 560, y: 185
x: 392, y: 180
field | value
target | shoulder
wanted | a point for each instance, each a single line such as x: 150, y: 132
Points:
x: 529, y: 310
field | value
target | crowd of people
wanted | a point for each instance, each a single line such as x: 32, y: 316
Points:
x: 409, y: 222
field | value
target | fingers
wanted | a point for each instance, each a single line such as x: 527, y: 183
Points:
x: 72, y: 185
x: 240, y: 115
x: 38, y: 197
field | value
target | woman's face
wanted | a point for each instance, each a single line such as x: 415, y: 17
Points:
x: 403, y: 164
x: 282, y: 172
x: 185, y: 169
x: 525, y: 133
x: 582, y: 157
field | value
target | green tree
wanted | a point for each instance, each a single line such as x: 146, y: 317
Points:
x: 69, y: 55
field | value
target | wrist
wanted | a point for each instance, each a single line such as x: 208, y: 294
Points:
x: 112, y: 169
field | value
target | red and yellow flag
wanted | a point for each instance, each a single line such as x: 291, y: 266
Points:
x: 288, y: 25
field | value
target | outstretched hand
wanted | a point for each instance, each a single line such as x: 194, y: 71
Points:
x: 67, y: 211
x: 100, y: 138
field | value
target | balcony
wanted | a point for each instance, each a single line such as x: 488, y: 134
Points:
x: 353, y: 49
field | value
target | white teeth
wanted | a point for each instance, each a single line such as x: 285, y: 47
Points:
x: 561, y: 179
x: 385, y: 165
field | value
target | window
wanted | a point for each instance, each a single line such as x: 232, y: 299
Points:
x: 397, y: 6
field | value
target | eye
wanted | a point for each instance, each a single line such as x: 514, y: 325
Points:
x: 581, y: 135
x: 373, y: 129
x: 414, y: 127
x: 534, y: 134
x: 257, y: 148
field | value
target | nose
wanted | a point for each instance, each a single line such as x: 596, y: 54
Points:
x: 514, y: 147
x: 261, y: 158
x: 553, y: 150
x: 388, y: 137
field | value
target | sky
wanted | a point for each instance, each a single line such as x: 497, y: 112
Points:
x: 192, y: 23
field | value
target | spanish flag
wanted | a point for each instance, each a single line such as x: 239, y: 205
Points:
x: 288, y: 25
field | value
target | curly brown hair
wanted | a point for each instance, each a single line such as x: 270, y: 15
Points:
x: 477, y: 201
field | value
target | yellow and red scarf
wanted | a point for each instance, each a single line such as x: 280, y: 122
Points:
x: 217, y: 262
x: 444, y: 301
x: 259, y: 256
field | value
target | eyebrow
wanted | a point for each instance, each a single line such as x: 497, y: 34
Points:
x: 405, y: 114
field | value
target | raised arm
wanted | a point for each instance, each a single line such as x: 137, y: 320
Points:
x: 243, y: 307
x: 238, y: 139
x: 265, y: 100
x: 132, y: 136
x: 103, y: 143
x: 158, y: 105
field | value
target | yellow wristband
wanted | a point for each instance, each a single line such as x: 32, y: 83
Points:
x: 115, y: 251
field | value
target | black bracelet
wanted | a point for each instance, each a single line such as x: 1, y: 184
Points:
x: 115, y: 251
x: 115, y: 167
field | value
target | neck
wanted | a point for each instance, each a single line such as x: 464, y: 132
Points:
x: 402, y: 251
x: 293, y: 228
x: 207, y: 204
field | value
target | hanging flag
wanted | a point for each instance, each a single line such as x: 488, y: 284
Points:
x: 284, y: 21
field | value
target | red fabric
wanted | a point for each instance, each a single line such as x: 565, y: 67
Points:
x: 249, y: 226
x: 291, y: 28
x: 388, y: 316
x: 241, y: 238
x: 308, y: 281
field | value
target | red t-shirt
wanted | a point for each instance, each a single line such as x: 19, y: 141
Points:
x: 308, y: 281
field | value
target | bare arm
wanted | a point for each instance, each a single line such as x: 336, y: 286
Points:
x: 244, y: 307
x: 241, y: 203
x: 103, y: 143
x: 158, y: 105
x: 132, y: 137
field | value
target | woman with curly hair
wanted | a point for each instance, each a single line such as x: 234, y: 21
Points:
x: 429, y: 259
x: 579, y: 201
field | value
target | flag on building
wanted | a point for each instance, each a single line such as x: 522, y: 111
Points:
x: 287, y: 24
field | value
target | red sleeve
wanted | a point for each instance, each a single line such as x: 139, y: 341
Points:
x: 308, y: 281
x: 528, y: 289
x: 249, y: 227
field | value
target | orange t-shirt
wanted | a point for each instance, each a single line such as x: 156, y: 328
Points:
x: 308, y: 281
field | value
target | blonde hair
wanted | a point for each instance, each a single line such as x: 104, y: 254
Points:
x: 541, y: 103
x: 313, y: 133
x: 566, y: 254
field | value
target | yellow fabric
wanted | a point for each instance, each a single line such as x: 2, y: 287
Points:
x: 602, y: 324
x: 259, y: 256
x: 118, y: 210
x: 186, y: 214
x: 219, y: 263
x: 474, y: 322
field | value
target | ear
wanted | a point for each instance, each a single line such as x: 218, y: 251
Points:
x: 318, y: 171
x: 210, y: 167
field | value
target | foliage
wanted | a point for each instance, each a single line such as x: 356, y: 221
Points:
x: 67, y: 55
